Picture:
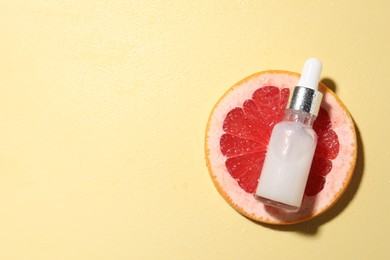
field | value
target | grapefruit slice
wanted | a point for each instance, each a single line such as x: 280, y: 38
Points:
x: 237, y: 137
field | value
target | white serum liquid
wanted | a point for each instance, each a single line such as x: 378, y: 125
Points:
x: 287, y: 164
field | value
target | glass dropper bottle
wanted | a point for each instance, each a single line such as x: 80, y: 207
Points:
x: 292, y: 145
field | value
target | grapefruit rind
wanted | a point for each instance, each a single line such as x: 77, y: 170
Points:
x: 337, y: 180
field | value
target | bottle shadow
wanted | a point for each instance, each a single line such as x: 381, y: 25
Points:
x: 310, y: 228
x: 329, y: 83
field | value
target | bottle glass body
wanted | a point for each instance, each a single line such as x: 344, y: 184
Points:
x: 288, y: 160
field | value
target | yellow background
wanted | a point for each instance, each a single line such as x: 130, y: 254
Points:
x: 103, y: 106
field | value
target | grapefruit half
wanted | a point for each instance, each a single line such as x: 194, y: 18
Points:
x: 237, y: 136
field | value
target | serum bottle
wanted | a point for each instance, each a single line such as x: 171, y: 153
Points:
x: 292, y: 144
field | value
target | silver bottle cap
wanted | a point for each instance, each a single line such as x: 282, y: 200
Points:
x: 305, y: 99
x: 305, y: 96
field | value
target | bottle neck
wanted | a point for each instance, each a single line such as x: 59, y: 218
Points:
x: 299, y: 116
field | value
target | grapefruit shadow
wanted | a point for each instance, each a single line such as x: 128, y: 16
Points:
x: 311, y: 227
